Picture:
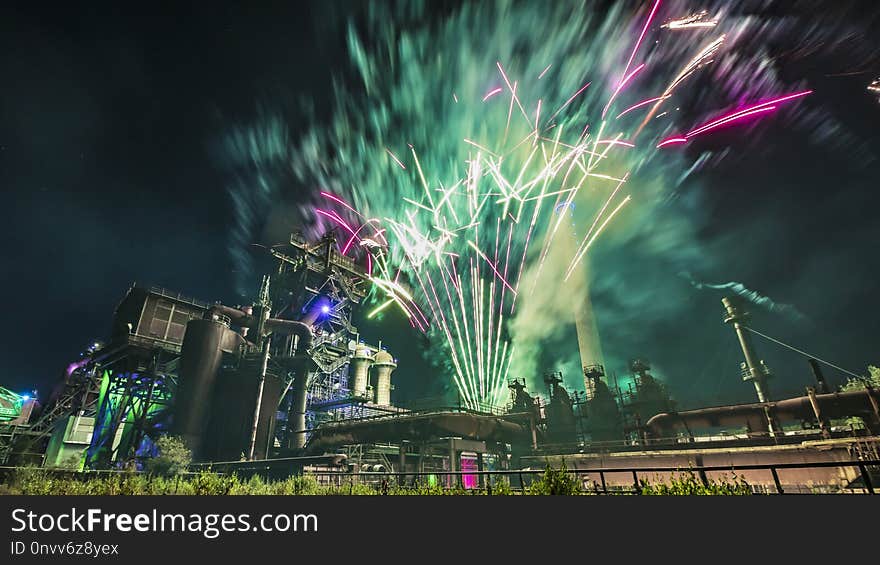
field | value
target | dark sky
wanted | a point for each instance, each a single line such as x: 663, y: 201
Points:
x: 107, y: 118
x: 108, y: 113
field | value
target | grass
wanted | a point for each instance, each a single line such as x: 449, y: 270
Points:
x: 38, y: 481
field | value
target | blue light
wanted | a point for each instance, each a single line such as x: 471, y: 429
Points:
x: 325, y: 309
x: 25, y: 397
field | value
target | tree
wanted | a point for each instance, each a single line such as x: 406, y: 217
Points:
x: 173, y: 459
x: 873, y: 379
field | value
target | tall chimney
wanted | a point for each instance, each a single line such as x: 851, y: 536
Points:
x: 584, y: 322
x: 755, y: 370
x: 821, y: 383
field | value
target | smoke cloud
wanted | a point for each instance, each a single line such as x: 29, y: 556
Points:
x: 420, y: 80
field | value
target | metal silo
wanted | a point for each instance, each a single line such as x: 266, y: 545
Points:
x: 204, y: 344
x: 359, y: 371
x: 383, y: 365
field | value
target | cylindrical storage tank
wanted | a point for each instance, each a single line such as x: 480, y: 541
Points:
x: 201, y: 355
x: 359, y: 371
x: 383, y: 366
x: 230, y: 424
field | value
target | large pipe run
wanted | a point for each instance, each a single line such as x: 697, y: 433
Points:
x: 802, y: 408
x: 236, y: 317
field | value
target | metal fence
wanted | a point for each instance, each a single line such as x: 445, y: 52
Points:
x: 593, y: 480
x: 519, y: 480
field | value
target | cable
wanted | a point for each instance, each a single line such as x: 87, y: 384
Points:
x: 804, y: 353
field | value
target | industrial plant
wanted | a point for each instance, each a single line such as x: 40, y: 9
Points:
x: 285, y: 385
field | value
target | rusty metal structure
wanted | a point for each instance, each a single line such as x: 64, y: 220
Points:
x: 287, y: 378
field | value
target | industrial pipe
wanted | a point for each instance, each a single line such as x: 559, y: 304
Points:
x: 235, y: 315
x: 831, y: 406
x: 303, y: 331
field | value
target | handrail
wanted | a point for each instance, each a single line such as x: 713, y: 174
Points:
x: 668, y: 469
x: 401, y: 476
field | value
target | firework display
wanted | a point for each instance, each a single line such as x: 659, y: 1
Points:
x: 455, y: 247
x: 457, y: 219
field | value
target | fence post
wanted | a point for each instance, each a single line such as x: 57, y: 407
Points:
x: 636, y: 482
x: 776, y: 480
x: 604, y: 486
x: 867, y: 478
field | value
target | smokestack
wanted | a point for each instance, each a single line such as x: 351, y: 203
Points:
x: 755, y: 370
x: 821, y: 383
x: 384, y: 365
x: 584, y: 321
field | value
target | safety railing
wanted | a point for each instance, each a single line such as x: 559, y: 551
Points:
x: 591, y: 481
x: 521, y: 479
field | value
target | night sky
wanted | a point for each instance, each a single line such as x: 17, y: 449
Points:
x: 109, y: 119
x: 106, y: 157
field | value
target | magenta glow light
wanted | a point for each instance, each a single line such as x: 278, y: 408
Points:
x: 731, y: 118
x: 336, y: 219
x: 641, y: 36
x: 340, y: 201
x: 621, y: 86
x: 672, y: 141
x: 352, y: 238
x: 742, y: 113
x: 492, y: 93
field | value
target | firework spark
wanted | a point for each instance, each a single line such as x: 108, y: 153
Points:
x: 693, y: 21
x: 472, y: 206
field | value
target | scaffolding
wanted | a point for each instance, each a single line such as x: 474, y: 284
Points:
x: 316, y: 283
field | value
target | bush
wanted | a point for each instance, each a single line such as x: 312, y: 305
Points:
x: 37, y: 481
x: 173, y: 459
x: 501, y: 487
x: 74, y: 462
x: 689, y: 485
x: 555, y: 482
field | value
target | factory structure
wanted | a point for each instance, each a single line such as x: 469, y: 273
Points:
x: 286, y: 385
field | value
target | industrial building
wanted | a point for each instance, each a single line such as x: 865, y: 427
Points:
x: 285, y: 385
